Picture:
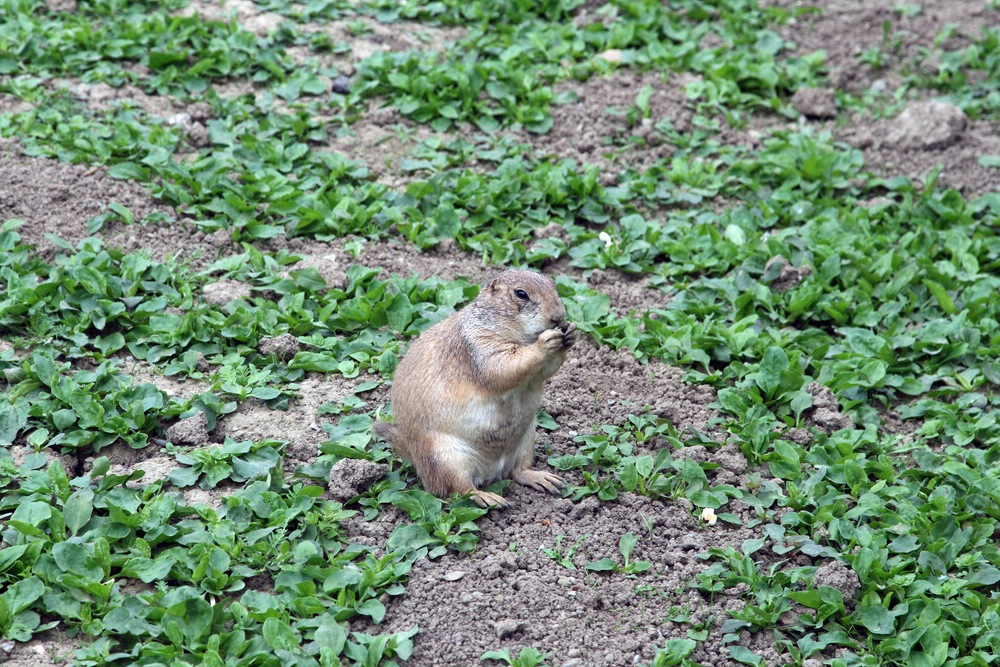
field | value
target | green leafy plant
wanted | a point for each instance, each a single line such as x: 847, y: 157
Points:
x: 237, y: 461
x: 526, y: 657
x: 564, y: 558
x: 628, y: 566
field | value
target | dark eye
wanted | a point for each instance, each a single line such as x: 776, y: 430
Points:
x: 521, y: 294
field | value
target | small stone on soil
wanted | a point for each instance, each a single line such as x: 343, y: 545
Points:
x: 815, y: 102
x: 836, y: 575
x: 928, y: 126
x: 350, y: 477
x: 508, y: 627
x: 222, y: 292
x: 341, y: 85
x: 283, y: 347
x: 190, y: 431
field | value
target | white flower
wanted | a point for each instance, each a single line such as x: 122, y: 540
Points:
x: 708, y: 516
x: 608, y: 241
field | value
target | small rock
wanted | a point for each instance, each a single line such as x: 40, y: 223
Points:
x: 829, y: 420
x: 341, y: 85
x: 454, y: 575
x: 928, y: 126
x: 878, y: 86
x: 573, y: 662
x: 203, y: 364
x: 815, y: 102
x: 491, y: 570
x: 351, y: 477
x: 835, y: 574
x: 7, y: 647
x: 328, y: 266
x: 283, y: 347
x: 508, y: 627
x: 799, y: 436
x: 200, y: 111
x: 553, y: 229
x: 190, y: 431
x: 822, y: 396
x: 98, y: 92
x: 694, y: 452
x: 198, y: 135
x: 788, y: 276
x: 222, y: 292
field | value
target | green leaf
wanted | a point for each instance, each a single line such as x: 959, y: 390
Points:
x: 941, y: 296
x: 373, y: 609
x: 128, y: 171
x: 184, y: 477
x: 735, y: 235
x: 732, y: 401
x: 546, y: 421
x: 13, y: 417
x: 603, y: 565
x: 11, y: 555
x: 73, y: 558
x: 878, y: 620
x: 871, y: 373
x: 629, y: 476
x: 446, y: 222
x: 280, y: 635
x: 78, y: 509
x: 409, y: 537
x: 626, y: 544
x: 22, y: 594
x: 774, y: 363
x: 148, y: 570
x: 33, y: 512
x: 193, y: 618
x: 745, y: 655
x: 331, y: 634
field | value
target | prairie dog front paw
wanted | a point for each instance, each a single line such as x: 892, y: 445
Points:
x: 551, y: 340
x: 568, y: 330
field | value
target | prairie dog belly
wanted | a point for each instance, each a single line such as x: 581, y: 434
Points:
x: 499, y: 422
x: 456, y: 452
x: 489, y: 432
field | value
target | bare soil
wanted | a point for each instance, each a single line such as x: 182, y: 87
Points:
x: 509, y: 594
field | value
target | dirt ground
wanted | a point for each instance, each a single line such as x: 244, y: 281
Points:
x: 509, y: 594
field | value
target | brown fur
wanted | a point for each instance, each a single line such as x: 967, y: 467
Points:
x: 465, y: 396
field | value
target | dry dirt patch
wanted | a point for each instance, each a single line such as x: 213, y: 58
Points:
x: 58, y: 198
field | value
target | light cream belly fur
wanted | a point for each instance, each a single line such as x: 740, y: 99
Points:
x: 488, y: 439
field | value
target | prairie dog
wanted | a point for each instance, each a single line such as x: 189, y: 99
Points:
x: 465, y: 396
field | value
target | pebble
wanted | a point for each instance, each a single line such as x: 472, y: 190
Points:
x: 341, y: 85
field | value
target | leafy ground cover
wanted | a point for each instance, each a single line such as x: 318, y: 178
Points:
x: 775, y: 223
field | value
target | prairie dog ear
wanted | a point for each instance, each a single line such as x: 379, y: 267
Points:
x: 494, y: 284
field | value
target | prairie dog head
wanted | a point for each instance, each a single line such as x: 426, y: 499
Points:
x: 519, y: 305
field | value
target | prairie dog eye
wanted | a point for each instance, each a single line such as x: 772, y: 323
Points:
x: 521, y: 294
